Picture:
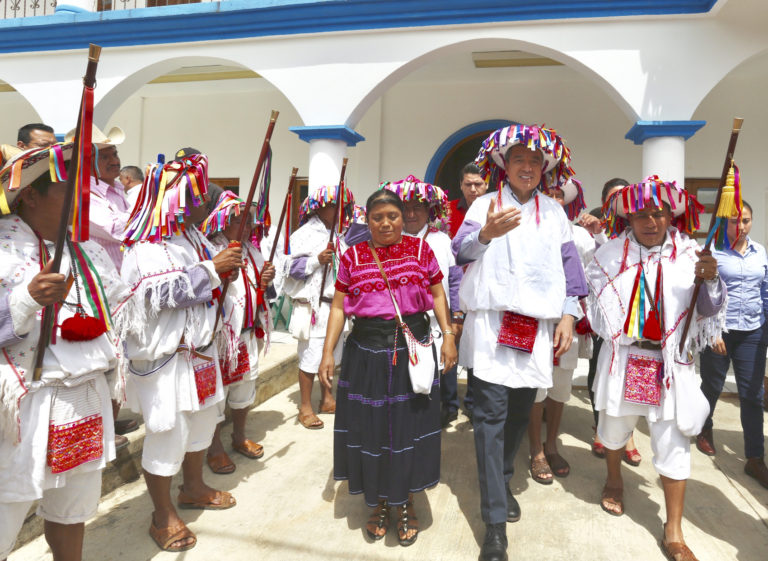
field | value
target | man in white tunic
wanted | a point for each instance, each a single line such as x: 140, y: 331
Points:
x: 523, y: 280
x: 246, y: 327
x: 56, y: 433
x: 169, y: 323
x: 641, y: 284
x: 310, y: 259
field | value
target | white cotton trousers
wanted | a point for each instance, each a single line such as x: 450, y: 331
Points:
x: 74, y: 503
x: 193, y: 431
x: 561, y: 386
x: 311, y: 353
x: 671, y: 448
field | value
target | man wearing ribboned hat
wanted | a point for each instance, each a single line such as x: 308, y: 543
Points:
x: 641, y: 284
x: 56, y: 433
x: 108, y: 216
x: 520, y: 291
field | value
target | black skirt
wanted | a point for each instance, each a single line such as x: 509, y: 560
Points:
x: 386, y: 438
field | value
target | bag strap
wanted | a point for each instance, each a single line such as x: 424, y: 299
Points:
x: 386, y: 280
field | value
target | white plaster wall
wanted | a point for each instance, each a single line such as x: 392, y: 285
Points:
x: 16, y: 113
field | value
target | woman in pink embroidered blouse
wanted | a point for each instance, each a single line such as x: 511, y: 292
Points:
x: 386, y: 437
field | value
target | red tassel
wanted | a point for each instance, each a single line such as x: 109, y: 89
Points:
x: 259, y: 332
x: 652, y: 328
x: 81, y: 327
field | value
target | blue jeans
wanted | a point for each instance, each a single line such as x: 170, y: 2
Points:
x: 746, y: 350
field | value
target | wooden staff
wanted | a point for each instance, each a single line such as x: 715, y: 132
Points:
x: 241, y: 231
x: 336, y: 220
x: 46, y: 327
x: 697, y: 281
x: 283, y: 212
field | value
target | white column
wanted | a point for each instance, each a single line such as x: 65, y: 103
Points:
x: 325, y: 160
x: 665, y: 156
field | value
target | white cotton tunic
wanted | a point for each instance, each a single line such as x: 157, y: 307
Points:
x: 521, y: 271
x: 610, y: 294
x: 162, y: 381
x: 73, y: 372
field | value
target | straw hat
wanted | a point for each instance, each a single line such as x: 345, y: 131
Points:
x: 323, y: 196
x: 114, y: 137
x: 23, y: 168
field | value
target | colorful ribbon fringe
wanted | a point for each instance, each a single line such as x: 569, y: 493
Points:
x: 414, y: 189
x: 323, y: 196
x: 162, y: 202
x: 490, y: 158
x: 652, y: 192
x: 81, y: 202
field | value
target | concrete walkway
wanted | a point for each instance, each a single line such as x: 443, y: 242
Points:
x: 290, y: 508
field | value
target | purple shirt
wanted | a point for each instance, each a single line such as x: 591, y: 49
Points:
x: 109, y: 214
x: 411, y: 268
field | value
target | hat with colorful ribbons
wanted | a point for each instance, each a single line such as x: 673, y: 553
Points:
x: 165, y: 198
x: 653, y: 193
x: 227, y: 206
x: 414, y: 189
x: 556, y: 169
x: 323, y: 196
x: 573, y: 197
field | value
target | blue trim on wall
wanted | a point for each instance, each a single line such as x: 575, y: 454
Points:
x: 643, y: 130
x: 235, y: 19
x: 448, y: 144
x: 332, y: 132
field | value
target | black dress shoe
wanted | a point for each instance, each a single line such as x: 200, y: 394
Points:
x: 495, y: 543
x: 513, y: 507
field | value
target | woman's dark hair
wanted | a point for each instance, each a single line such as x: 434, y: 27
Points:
x: 383, y: 197
x: 749, y: 206
x: 610, y: 184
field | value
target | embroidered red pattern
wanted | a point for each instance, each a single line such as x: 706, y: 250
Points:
x: 205, y: 380
x: 76, y: 443
x: 230, y: 376
x: 642, y: 381
x: 518, y: 331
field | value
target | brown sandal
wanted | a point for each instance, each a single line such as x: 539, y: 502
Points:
x: 676, y: 551
x: 406, y: 521
x: 311, y: 421
x: 164, y: 537
x: 220, y: 463
x: 248, y: 448
x: 540, y: 468
x: 558, y: 464
x: 329, y: 410
x: 612, y: 497
x: 378, y: 520
x: 220, y: 501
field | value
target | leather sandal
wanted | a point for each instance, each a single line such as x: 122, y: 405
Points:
x: 164, y: 537
x: 612, y: 497
x: 406, y: 521
x: 311, y: 421
x: 220, y: 463
x: 248, y: 448
x: 676, y: 551
x: 540, y: 468
x: 221, y: 501
x: 378, y: 520
x: 559, y: 466
x: 327, y: 410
